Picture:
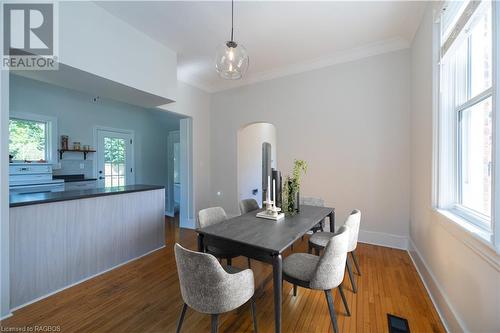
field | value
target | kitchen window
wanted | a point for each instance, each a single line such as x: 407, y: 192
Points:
x: 32, y: 137
x: 466, y: 112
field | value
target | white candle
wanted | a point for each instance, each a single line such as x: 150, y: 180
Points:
x: 268, y: 188
x: 274, y: 191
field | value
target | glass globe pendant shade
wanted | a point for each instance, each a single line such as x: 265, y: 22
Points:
x: 231, y: 60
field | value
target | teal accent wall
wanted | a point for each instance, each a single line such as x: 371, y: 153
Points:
x: 77, y: 115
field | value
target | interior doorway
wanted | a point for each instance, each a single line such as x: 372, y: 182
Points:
x: 179, y: 187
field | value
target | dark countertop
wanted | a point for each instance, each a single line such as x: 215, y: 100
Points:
x: 73, y: 178
x: 17, y: 200
x: 79, y: 180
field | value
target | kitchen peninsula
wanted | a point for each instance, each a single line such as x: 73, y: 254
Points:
x: 61, y: 238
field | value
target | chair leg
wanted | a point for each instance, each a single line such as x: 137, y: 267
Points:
x: 333, y: 317
x: 294, y: 290
x: 344, y: 300
x: 309, y: 248
x: 249, y: 263
x: 351, y: 277
x: 229, y: 261
x: 254, y: 314
x: 215, y: 323
x: 355, y: 259
x: 181, y: 318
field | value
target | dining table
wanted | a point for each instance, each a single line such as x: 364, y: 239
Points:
x: 265, y: 240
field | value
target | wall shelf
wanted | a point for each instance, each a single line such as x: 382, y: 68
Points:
x: 85, y: 152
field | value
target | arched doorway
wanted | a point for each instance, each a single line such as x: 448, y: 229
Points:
x: 256, y: 157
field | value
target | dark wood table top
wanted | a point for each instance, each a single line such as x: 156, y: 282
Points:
x: 268, y: 235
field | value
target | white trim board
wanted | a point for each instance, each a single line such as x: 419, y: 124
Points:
x: 6, y: 316
x: 447, y: 314
x: 383, y: 239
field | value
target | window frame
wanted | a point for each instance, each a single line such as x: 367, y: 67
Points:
x: 50, y: 128
x: 446, y: 156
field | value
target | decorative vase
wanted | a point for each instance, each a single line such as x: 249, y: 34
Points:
x: 296, y: 202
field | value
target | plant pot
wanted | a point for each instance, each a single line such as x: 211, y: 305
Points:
x: 296, y: 202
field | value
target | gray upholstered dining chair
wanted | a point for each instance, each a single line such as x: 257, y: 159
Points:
x: 210, y: 216
x: 248, y: 205
x: 314, y: 201
x: 324, y: 272
x: 209, y: 288
x: 319, y: 240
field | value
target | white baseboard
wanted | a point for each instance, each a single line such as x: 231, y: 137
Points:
x: 449, y: 317
x: 383, y: 239
x: 8, y: 315
x: 83, y: 280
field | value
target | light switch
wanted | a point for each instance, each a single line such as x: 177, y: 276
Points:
x: 82, y: 166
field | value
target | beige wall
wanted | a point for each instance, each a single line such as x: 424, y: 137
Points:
x: 459, y: 270
x: 350, y: 122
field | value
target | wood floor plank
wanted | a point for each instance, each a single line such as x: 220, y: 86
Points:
x: 144, y: 296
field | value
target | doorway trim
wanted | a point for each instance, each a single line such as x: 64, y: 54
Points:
x: 187, y: 204
x: 173, y: 137
x: 98, y: 128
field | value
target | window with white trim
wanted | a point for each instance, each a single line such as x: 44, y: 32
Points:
x: 465, y: 157
x: 32, y: 137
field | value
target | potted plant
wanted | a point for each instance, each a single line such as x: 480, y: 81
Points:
x: 291, y: 188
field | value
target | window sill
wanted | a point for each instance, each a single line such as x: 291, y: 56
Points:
x: 477, y: 239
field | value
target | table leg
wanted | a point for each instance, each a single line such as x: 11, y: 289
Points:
x: 332, y: 221
x: 277, y: 286
x: 200, y: 243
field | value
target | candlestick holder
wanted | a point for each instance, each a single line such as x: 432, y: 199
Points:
x: 271, y: 212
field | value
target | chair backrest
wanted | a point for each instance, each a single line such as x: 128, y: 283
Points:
x: 353, y: 222
x: 200, y: 278
x: 331, y: 266
x: 312, y: 201
x: 248, y: 205
x: 209, y: 216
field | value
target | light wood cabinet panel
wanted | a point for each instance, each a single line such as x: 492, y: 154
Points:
x: 54, y: 245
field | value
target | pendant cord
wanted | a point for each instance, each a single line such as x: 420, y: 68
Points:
x: 232, y: 18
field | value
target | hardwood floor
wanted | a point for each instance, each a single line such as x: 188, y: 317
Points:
x: 144, y: 296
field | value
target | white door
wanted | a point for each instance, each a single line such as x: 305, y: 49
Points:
x: 114, y: 158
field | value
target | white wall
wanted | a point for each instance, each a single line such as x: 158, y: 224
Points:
x: 195, y: 103
x: 93, y: 40
x: 464, y: 284
x: 350, y: 122
x: 4, y: 195
x: 250, y: 140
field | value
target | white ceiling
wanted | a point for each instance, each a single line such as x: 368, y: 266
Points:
x: 281, y: 37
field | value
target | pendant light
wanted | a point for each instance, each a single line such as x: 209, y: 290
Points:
x: 231, y: 58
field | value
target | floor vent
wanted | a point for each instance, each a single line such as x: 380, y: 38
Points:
x: 397, y: 324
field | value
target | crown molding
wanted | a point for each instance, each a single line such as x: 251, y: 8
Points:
x: 365, y: 51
